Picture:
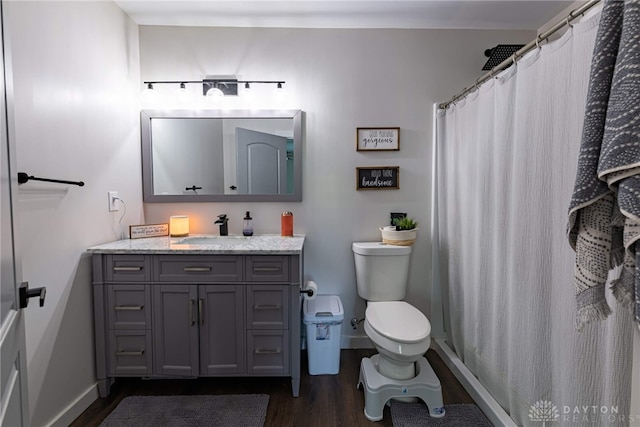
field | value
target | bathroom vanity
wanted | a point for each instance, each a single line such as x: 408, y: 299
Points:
x: 198, y: 306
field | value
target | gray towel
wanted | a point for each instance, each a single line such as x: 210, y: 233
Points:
x: 604, y: 213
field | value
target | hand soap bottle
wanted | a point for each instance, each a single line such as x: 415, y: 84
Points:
x: 247, y: 225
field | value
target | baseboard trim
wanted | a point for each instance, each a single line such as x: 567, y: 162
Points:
x: 355, y: 341
x: 75, y: 408
x: 476, y: 390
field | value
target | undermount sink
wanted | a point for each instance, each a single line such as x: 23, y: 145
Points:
x: 214, y: 240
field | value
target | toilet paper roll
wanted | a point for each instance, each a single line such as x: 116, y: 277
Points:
x: 311, y: 285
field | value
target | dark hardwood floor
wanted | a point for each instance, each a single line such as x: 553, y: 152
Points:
x: 324, y: 401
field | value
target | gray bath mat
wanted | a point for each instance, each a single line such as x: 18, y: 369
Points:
x: 417, y: 414
x: 190, y: 411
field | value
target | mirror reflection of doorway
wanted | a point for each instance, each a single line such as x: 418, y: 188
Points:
x: 261, y: 162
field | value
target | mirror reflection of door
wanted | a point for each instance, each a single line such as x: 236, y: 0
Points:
x: 261, y: 162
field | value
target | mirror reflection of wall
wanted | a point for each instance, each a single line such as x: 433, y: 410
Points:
x: 187, y: 156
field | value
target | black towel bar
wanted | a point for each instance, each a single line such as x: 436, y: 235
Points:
x: 24, y: 177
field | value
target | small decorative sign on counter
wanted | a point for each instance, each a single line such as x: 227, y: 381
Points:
x: 378, y: 139
x: 378, y: 178
x: 148, y: 230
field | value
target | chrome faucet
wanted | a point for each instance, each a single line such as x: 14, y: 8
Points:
x: 222, y: 220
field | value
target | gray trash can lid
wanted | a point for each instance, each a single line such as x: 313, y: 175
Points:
x: 322, y: 309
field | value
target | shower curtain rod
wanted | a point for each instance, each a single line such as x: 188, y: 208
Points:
x: 526, y: 48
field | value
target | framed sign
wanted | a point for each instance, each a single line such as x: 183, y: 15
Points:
x: 150, y: 230
x: 378, y: 139
x: 378, y: 178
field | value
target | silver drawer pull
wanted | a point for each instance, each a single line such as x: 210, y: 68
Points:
x: 267, y: 351
x: 265, y: 269
x: 266, y: 307
x: 127, y: 268
x: 129, y: 307
x: 130, y: 353
x: 196, y: 269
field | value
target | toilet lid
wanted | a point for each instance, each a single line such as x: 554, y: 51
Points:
x: 398, y: 321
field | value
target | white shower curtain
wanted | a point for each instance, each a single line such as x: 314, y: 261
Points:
x: 506, y: 165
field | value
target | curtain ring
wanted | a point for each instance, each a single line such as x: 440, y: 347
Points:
x: 538, y: 42
x: 569, y: 22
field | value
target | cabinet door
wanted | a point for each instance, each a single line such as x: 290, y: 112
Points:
x: 222, y: 329
x: 175, y: 329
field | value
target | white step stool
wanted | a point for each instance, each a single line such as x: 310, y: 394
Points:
x: 378, y: 389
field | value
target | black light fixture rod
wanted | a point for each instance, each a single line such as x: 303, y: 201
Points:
x: 175, y: 82
x: 213, y: 81
x: 262, y: 81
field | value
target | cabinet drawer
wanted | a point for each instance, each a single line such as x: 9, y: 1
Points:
x: 130, y: 353
x: 267, y: 352
x: 128, y: 268
x: 200, y: 269
x: 129, y: 306
x: 267, y: 268
x: 267, y: 307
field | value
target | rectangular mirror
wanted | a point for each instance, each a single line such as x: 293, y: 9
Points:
x: 221, y: 156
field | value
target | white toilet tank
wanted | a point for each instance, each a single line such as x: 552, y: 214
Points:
x: 381, y: 270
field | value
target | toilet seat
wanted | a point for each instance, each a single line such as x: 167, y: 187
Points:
x: 398, y: 321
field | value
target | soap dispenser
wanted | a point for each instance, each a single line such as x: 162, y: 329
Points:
x: 247, y: 225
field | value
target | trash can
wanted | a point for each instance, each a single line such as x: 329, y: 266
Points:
x: 323, y: 317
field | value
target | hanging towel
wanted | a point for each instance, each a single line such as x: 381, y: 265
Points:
x: 604, y: 213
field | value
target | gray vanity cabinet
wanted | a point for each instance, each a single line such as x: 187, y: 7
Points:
x: 198, y: 330
x: 191, y: 315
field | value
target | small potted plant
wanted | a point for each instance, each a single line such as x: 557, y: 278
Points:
x: 403, y: 232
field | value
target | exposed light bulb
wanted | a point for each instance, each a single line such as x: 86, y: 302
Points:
x: 149, y: 96
x: 183, y: 96
x: 279, y: 92
x: 214, y: 92
x: 246, y: 90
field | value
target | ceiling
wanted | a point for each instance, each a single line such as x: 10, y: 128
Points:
x: 457, y: 14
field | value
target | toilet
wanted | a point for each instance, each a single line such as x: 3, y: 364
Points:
x: 400, y: 332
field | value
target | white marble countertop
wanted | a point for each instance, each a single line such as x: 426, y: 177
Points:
x: 264, y: 244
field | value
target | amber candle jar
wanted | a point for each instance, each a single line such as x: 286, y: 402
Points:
x: 286, y: 224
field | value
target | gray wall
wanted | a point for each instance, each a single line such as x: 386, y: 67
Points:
x: 342, y: 79
x: 76, y: 74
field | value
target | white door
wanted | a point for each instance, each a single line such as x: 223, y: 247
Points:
x: 13, y: 372
x: 262, y: 162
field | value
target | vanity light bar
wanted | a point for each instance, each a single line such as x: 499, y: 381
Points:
x: 225, y: 86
